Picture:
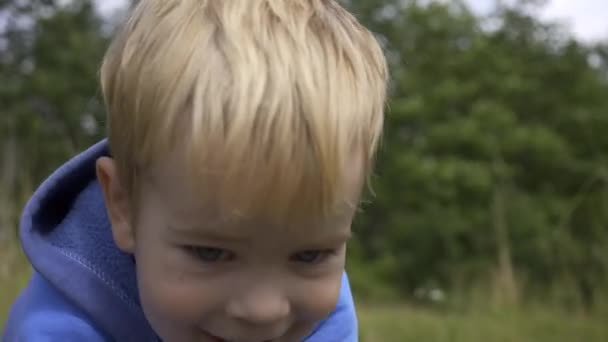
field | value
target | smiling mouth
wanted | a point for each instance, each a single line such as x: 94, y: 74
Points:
x: 219, y: 339
x: 215, y: 338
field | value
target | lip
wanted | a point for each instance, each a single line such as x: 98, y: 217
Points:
x: 217, y: 339
x: 214, y: 338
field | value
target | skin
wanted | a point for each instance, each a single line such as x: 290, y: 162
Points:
x: 203, y: 277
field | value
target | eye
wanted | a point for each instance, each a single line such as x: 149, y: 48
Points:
x: 209, y: 254
x: 312, y: 256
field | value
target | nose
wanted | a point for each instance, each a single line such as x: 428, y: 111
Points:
x: 259, y: 305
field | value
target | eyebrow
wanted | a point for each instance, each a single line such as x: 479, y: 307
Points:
x: 340, y: 237
x: 215, y: 234
x: 211, y: 233
x: 331, y: 238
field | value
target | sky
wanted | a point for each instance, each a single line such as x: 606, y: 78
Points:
x: 587, y: 19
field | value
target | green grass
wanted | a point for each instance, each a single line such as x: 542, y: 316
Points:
x: 14, y: 274
x: 400, y: 322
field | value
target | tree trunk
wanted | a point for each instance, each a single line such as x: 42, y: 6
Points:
x: 8, y: 174
x: 505, y: 277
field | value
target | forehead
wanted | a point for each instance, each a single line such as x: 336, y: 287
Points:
x: 191, y: 200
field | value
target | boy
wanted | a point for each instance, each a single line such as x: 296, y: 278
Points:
x: 240, y: 136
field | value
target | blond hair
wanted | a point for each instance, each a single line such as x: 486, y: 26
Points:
x: 278, y: 94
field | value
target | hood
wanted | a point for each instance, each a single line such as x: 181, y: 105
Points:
x: 65, y: 233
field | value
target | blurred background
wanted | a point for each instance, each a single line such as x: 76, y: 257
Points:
x: 490, y: 215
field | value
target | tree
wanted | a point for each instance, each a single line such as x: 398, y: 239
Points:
x: 493, y: 133
x: 49, y: 60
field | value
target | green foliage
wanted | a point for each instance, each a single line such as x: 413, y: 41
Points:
x: 48, y: 86
x: 517, y: 110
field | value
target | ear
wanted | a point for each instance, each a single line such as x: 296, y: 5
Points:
x: 117, y: 202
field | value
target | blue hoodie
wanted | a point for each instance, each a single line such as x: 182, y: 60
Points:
x: 84, y: 288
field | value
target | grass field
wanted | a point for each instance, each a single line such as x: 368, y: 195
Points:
x: 14, y: 273
x: 400, y: 322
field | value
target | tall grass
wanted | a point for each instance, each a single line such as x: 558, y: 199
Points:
x: 400, y: 323
x: 14, y: 274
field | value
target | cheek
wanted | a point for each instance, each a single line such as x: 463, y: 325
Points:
x: 174, y: 302
x: 316, y: 299
x: 166, y: 297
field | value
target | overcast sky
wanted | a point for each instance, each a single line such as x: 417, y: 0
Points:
x: 588, y: 19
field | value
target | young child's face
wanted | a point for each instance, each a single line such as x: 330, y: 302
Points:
x: 203, y: 277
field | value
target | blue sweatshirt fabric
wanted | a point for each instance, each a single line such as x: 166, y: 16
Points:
x: 83, y: 288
